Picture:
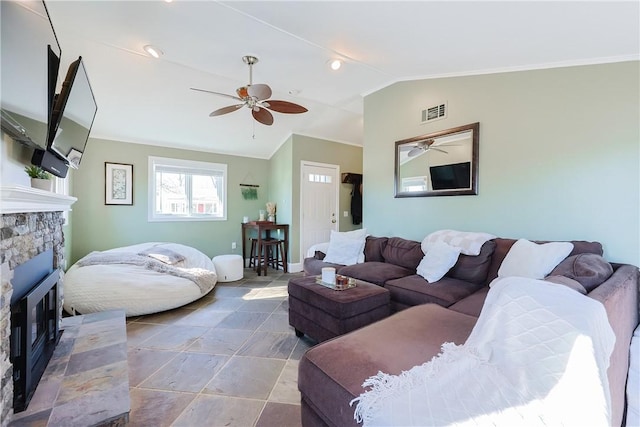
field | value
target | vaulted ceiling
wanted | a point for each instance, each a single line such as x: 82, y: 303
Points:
x: 146, y: 100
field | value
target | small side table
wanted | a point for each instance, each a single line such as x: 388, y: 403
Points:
x: 323, y: 313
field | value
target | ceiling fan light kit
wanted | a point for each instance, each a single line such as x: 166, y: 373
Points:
x: 255, y: 97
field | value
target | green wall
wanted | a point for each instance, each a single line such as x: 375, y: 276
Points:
x: 281, y: 182
x: 559, y: 156
x: 285, y: 180
x: 96, y: 226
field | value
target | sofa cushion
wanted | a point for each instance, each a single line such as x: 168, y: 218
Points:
x: 438, y: 261
x: 474, y: 268
x: 403, y: 252
x: 414, y: 290
x: 590, y: 270
x: 346, y: 248
x: 569, y: 283
x: 533, y: 260
x: 503, y: 246
x: 374, y: 248
x: 375, y: 272
x: 471, y: 305
x: 313, y: 266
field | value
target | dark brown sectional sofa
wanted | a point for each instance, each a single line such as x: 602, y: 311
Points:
x: 427, y: 315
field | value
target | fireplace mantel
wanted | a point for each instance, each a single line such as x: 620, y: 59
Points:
x: 19, y: 199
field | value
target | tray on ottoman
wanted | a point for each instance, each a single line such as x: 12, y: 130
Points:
x: 323, y: 313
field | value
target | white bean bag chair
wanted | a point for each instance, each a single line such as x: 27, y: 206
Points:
x: 140, y: 279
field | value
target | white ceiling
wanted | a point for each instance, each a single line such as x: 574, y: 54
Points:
x: 144, y: 100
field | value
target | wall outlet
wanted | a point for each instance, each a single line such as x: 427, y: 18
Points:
x: 345, y: 214
x: 233, y: 245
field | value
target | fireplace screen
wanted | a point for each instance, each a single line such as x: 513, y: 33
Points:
x: 34, y: 325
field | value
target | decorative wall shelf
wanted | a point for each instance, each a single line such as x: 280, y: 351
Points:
x: 19, y: 199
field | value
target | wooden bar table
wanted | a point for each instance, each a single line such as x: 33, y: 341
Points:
x: 263, y: 230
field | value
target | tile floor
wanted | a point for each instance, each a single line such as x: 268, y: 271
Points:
x: 228, y: 359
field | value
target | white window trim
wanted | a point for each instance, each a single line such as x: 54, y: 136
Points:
x: 193, y: 164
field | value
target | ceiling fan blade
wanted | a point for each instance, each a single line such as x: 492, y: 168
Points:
x: 415, y: 151
x: 217, y: 93
x: 437, y: 149
x: 259, y: 91
x: 284, y: 107
x: 262, y: 115
x: 225, y: 110
x: 243, y: 92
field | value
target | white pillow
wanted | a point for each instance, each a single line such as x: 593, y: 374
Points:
x: 469, y: 242
x: 346, y: 248
x: 321, y: 247
x: 435, y: 264
x: 532, y: 260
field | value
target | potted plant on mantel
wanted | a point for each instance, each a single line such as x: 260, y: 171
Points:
x: 39, y: 177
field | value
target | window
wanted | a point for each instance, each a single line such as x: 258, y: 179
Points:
x: 187, y: 190
x: 325, y: 179
x: 414, y: 183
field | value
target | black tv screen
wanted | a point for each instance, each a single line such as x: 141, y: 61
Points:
x: 30, y: 60
x: 73, y: 114
x: 449, y: 177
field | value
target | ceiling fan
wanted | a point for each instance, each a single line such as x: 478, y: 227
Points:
x: 424, y: 146
x: 256, y: 97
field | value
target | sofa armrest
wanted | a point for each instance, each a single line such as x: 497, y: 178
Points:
x: 619, y: 295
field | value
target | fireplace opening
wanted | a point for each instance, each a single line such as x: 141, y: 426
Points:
x: 34, y: 324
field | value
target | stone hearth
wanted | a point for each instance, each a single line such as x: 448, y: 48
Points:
x: 86, y: 382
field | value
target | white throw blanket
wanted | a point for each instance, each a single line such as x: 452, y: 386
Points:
x: 204, y: 278
x: 538, y: 356
x: 469, y: 242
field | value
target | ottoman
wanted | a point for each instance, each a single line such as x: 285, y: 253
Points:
x: 228, y: 267
x: 323, y: 313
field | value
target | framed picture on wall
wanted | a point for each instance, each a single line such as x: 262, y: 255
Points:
x: 118, y: 188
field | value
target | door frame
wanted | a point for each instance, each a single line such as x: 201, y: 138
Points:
x: 303, y: 164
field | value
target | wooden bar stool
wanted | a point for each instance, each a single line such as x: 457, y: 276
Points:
x: 273, y: 254
x: 255, y: 251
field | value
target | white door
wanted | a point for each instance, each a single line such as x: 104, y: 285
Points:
x: 318, y: 204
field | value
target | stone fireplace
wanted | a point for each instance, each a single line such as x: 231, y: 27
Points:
x: 31, y: 224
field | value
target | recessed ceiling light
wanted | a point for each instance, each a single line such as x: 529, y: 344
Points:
x: 335, y: 64
x: 153, y: 51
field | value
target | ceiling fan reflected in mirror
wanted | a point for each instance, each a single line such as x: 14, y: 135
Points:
x: 255, y: 97
x: 423, y: 147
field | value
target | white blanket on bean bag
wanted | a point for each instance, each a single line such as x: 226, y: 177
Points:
x: 137, y: 289
x: 538, y: 356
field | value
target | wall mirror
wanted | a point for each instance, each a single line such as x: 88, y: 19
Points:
x: 443, y: 163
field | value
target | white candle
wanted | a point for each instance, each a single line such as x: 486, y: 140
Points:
x: 329, y: 275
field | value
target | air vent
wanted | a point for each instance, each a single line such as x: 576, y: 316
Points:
x: 435, y: 112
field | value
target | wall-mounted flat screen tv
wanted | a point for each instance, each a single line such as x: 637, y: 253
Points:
x: 73, y: 114
x: 30, y: 58
x: 450, y: 177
